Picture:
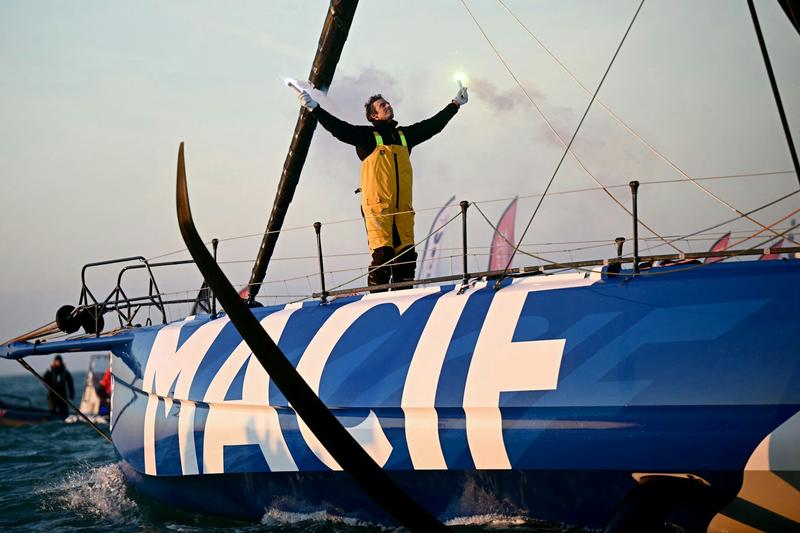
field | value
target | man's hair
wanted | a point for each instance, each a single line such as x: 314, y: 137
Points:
x: 368, y: 105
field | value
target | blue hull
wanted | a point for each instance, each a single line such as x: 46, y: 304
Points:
x: 550, y: 396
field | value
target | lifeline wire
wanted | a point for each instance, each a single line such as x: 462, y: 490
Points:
x: 536, y: 195
x: 675, y: 239
x: 569, y: 145
x: 636, y: 134
x: 715, y: 226
x: 644, y: 273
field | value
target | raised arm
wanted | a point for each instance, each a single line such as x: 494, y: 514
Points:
x: 422, y: 131
x: 345, y: 132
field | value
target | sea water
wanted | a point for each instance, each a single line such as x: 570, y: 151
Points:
x: 62, y: 477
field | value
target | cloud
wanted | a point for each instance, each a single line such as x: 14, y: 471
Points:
x: 488, y: 93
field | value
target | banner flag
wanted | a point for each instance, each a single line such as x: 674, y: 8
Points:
x: 721, y: 244
x: 434, y: 262
x: 503, y: 240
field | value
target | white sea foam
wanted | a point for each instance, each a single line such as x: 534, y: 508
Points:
x: 277, y: 517
x: 490, y: 520
x: 98, y: 491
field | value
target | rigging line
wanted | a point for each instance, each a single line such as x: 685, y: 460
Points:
x: 639, y: 136
x: 568, y: 145
x: 641, y: 183
x: 516, y: 249
x: 734, y: 219
x: 759, y: 232
x: 28, y: 367
x: 762, y: 243
x: 775, y: 92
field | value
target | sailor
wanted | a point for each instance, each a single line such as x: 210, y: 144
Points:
x: 386, y: 178
x: 59, y: 380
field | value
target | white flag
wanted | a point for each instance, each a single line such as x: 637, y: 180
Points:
x: 435, y: 261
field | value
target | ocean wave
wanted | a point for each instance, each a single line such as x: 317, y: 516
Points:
x: 92, y: 491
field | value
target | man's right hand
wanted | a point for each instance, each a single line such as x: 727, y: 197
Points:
x: 462, y: 97
x: 306, y: 100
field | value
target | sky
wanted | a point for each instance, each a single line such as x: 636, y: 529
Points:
x: 95, y: 98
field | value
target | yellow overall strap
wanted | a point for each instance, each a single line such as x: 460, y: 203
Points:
x: 379, y: 139
x: 402, y: 138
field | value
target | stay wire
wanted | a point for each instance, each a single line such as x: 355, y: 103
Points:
x: 558, y: 136
x: 28, y: 367
x: 567, y: 150
x: 637, y: 135
x: 774, y: 84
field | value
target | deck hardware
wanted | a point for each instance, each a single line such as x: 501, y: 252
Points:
x: 214, y: 245
x: 634, y: 185
x: 324, y: 294
x: 464, y: 205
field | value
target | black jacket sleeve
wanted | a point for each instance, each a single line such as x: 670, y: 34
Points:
x: 422, y: 131
x: 345, y: 132
x: 70, y: 385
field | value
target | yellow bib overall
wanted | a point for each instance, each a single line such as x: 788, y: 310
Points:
x: 386, y: 182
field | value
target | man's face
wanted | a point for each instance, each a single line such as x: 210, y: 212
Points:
x: 56, y: 364
x: 382, y: 110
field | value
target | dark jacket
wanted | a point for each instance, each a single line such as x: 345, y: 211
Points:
x: 363, y: 139
x: 60, y: 381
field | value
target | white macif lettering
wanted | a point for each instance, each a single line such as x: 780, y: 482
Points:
x: 167, y: 365
x: 419, y: 392
x: 499, y: 365
x: 369, y: 432
x: 250, y: 420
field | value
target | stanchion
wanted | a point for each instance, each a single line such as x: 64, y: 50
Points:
x: 214, y: 244
x: 323, y: 293
x: 634, y: 189
x: 464, y: 205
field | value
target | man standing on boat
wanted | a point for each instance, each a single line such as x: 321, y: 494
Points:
x: 386, y: 178
x: 59, y: 380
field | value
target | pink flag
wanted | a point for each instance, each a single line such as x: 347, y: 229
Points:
x: 771, y: 256
x: 503, y: 239
x: 721, y: 244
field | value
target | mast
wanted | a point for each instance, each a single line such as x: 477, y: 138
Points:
x: 329, y: 50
